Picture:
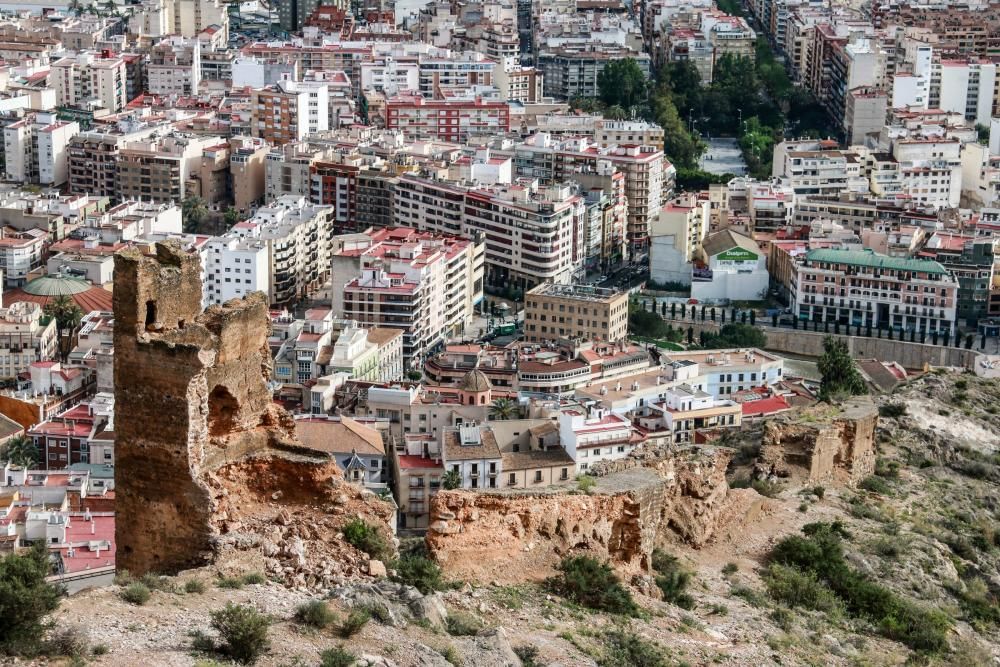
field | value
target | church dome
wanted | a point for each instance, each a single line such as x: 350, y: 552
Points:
x: 475, y: 381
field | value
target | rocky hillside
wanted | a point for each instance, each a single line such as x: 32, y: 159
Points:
x: 904, y: 568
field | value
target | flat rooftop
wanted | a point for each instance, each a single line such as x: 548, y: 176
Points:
x: 578, y: 292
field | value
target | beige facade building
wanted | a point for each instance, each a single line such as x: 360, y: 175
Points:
x: 575, y: 311
x: 85, y: 79
x: 247, y: 157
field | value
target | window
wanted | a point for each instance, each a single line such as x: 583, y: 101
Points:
x: 538, y: 476
x: 512, y: 479
x: 564, y: 474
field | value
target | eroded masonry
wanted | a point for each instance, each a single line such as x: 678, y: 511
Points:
x: 205, y: 459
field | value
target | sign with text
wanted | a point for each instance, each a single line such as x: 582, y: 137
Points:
x: 737, y: 255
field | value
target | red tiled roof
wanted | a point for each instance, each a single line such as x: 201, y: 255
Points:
x: 96, y: 298
x: 765, y: 406
x: 411, y: 461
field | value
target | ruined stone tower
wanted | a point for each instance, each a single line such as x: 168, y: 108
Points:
x: 191, y: 402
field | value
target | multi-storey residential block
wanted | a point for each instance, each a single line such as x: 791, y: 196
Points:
x: 24, y: 339
x: 247, y: 157
x: 94, y: 155
x: 187, y: 18
x: 627, y: 132
x: 575, y: 312
x: 862, y: 288
x: 289, y: 110
x: 20, y: 254
x: 399, y: 278
x: 88, y: 77
x: 675, y: 236
x: 448, y: 120
x: 76, y: 435
x: 174, y: 66
x: 36, y: 149
x: 517, y: 83
x: 930, y: 170
x: 159, y: 168
x: 572, y: 72
x: 297, y: 236
x: 532, y: 234
x: 594, y: 435
x: 648, y: 176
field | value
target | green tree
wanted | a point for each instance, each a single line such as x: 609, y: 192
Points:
x: 615, y: 113
x: 232, y: 216
x: 451, y: 480
x: 736, y: 335
x: 21, y: 451
x: 644, y: 323
x: 839, y: 376
x: 682, y: 149
x: 504, y: 408
x: 622, y: 82
x: 67, y: 316
x: 25, y: 597
x: 194, y: 213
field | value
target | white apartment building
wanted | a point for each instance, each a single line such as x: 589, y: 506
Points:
x: 981, y: 172
x: 20, y: 254
x: 233, y: 266
x: 254, y: 72
x: 968, y: 87
x: 424, y: 284
x: 86, y: 79
x: 36, y: 149
x: 816, y: 168
x: 675, y: 238
x: 23, y: 338
x: 532, y: 234
x: 648, y: 179
x: 595, y: 435
x: 283, y: 251
x: 930, y: 170
x: 771, y: 205
x: 174, y: 66
x: 473, y: 453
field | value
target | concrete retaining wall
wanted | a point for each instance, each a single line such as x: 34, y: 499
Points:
x: 810, y: 344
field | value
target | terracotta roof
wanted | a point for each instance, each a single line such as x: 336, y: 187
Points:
x: 486, y: 448
x: 341, y: 437
x: 89, y: 300
x: 382, y: 335
x: 536, y: 459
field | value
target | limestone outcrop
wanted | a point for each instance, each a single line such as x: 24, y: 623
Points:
x: 822, y: 444
x: 636, y: 505
x: 202, y: 452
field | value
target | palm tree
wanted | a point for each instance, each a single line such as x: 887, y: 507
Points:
x: 193, y: 213
x: 20, y: 450
x: 67, y: 316
x: 451, y: 480
x: 504, y: 408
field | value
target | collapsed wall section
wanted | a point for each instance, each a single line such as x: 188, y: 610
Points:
x: 822, y: 444
x: 634, y: 507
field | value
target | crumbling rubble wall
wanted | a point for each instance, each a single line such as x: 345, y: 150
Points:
x: 635, y: 506
x: 822, y: 444
x: 192, y: 410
